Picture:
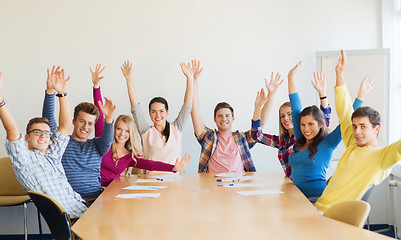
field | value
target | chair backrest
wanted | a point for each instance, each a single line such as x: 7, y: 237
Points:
x: 366, y: 196
x: 9, y: 186
x: 56, y: 217
x: 353, y: 212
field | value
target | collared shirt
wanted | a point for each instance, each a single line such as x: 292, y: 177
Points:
x: 209, y: 139
x: 45, y: 174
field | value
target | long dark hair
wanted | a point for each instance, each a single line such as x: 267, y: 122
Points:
x: 318, y: 115
x: 166, y: 131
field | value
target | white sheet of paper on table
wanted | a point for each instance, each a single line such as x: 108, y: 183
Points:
x: 245, y: 178
x: 259, y: 192
x: 244, y: 185
x: 138, y: 195
x: 238, y: 178
x: 137, y: 187
x: 153, y: 180
x: 229, y: 175
x: 166, y: 177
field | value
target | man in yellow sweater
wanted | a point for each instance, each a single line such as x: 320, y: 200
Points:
x: 363, y: 163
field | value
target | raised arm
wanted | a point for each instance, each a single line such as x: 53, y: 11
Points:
x: 97, y: 97
x: 296, y: 106
x: 291, y: 82
x: 272, y: 87
x: 60, y: 85
x: 197, y: 120
x: 342, y: 62
x: 103, y: 143
x: 367, y: 85
x: 48, y: 103
x: 259, y: 102
x: 127, y: 72
x: 188, y: 72
x: 183, y: 115
x: 6, y: 117
x: 108, y: 110
x: 319, y: 83
x: 344, y: 106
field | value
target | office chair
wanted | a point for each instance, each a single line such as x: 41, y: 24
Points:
x: 353, y: 212
x: 365, y: 198
x: 56, y: 217
x: 11, y: 192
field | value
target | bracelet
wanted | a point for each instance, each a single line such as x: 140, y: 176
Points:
x: 323, y: 97
x: 61, y: 94
x: 3, y: 103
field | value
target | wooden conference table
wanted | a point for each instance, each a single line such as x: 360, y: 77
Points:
x: 194, y: 207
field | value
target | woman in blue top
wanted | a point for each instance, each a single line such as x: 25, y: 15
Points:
x: 314, y: 145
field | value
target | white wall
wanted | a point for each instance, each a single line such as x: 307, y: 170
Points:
x: 238, y: 42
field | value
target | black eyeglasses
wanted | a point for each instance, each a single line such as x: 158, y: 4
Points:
x: 39, y: 132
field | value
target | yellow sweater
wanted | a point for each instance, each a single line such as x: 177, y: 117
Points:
x: 358, y: 168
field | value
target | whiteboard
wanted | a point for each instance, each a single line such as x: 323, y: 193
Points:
x: 375, y: 62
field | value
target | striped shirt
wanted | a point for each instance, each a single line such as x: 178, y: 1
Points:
x: 81, y: 160
x: 45, y: 174
x: 209, y: 139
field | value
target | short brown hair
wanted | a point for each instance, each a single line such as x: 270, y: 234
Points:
x: 86, y: 107
x: 36, y: 120
x: 223, y: 105
x: 372, y: 114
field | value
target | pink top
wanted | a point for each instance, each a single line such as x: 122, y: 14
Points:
x: 226, y: 157
x: 156, y: 148
x: 110, y: 171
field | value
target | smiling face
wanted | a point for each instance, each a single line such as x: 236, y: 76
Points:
x: 122, y: 132
x: 364, y: 133
x: 83, y: 126
x: 41, y: 142
x: 224, y: 120
x: 309, y: 127
x: 158, y: 114
x: 286, y: 117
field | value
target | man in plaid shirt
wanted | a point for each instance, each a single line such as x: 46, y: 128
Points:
x: 38, y: 168
x: 222, y: 150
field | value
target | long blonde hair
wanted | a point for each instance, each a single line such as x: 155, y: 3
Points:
x: 133, y: 144
x: 282, y: 131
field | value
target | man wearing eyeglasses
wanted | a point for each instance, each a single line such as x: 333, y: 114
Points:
x: 38, y: 168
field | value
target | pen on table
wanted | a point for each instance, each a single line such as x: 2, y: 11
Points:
x: 226, y: 185
x: 160, y: 179
x: 227, y: 180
